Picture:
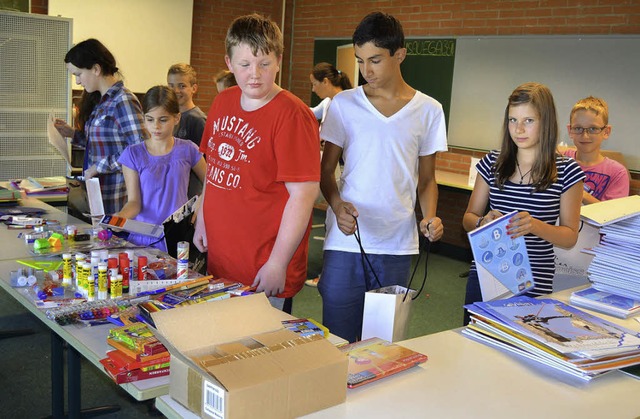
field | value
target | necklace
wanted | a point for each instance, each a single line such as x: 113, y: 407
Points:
x: 520, y: 172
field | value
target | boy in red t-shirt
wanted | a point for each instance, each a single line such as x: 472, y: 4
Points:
x: 263, y: 170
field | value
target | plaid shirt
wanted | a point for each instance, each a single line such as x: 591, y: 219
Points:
x: 115, y: 123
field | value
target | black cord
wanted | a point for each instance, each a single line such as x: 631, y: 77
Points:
x: 427, y: 249
x: 364, y: 257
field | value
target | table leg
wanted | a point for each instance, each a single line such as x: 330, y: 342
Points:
x: 57, y: 375
x: 73, y: 384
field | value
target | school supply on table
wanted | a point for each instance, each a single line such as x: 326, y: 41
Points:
x: 605, y: 302
x: 554, y: 334
x: 375, y: 358
x: 132, y: 226
x: 138, y: 354
x: 502, y: 262
x: 123, y: 375
x: 44, y: 186
x: 306, y: 327
x: 9, y: 195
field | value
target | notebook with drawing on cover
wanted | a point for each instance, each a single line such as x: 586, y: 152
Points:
x: 374, y: 358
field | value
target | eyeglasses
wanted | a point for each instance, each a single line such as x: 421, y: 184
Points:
x: 590, y: 130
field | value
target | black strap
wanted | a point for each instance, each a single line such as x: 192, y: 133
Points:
x: 364, y: 258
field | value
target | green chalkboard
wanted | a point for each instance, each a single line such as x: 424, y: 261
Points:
x: 428, y: 66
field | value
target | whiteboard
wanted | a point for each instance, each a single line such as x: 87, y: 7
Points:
x: 145, y: 36
x: 488, y: 69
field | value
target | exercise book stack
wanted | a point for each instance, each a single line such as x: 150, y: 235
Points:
x: 615, y: 268
x: 554, y: 334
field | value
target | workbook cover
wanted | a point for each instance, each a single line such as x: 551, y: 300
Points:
x: 502, y: 262
x: 375, y: 358
x: 561, y: 327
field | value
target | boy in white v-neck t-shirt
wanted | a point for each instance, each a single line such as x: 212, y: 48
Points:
x: 388, y: 134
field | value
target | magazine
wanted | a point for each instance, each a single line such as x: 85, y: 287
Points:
x: 375, y: 358
x: 502, y: 262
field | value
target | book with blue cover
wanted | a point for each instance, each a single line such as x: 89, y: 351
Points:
x: 502, y: 262
x: 605, y: 302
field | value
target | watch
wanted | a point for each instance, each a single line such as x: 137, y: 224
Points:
x: 479, y: 221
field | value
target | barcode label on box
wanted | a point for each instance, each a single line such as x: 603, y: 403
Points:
x: 213, y: 400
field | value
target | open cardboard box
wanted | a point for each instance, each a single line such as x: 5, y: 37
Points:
x: 233, y: 359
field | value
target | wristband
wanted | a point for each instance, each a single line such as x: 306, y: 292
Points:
x: 479, y: 221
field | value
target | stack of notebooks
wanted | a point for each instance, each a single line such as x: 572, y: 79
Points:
x: 554, y: 334
x: 605, y: 302
x: 138, y: 354
x: 615, y: 268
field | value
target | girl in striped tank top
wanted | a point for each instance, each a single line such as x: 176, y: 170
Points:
x: 529, y: 176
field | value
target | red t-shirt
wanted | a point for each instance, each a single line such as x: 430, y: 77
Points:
x: 250, y: 156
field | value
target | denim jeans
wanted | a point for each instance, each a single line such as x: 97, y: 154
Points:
x: 344, y: 283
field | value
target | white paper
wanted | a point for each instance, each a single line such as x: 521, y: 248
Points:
x: 56, y: 139
x: 473, y: 172
x: 94, y: 196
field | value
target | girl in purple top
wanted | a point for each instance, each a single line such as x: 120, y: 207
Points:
x: 156, y: 171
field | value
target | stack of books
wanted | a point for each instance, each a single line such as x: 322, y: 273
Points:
x: 615, y: 267
x: 138, y: 354
x: 554, y: 334
x: 605, y: 302
x: 614, y: 270
x: 49, y: 186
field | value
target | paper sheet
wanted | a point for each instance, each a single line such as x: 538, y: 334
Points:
x: 607, y: 212
x: 56, y: 139
x: 94, y: 196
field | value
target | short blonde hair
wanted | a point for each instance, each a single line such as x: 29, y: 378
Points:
x: 186, y: 70
x: 258, y: 32
x: 593, y: 104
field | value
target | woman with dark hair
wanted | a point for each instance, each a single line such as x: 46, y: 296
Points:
x: 326, y: 82
x: 113, y: 122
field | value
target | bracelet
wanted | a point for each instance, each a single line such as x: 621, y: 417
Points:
x: 479, y: 221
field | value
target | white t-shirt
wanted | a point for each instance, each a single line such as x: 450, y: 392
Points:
x: 320, y: 110
x: 380, y: 173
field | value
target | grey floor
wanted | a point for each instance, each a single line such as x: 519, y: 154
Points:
x: 25, y: 367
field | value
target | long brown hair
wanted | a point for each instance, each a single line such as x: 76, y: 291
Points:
x: 543, y: 172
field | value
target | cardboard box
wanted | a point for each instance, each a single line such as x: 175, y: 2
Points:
x: 233, y: 359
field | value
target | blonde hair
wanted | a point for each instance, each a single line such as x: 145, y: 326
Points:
x: 186, y: 70
x: 256, y: 31
x: 593, y: 104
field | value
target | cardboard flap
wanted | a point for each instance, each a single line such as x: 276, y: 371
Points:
x: 209, y: 324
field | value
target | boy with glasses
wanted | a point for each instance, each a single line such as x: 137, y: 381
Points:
x: 588, y: 128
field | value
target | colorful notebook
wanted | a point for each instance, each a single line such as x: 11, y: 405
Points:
x: 502, y: 262
x: 375, y: 358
